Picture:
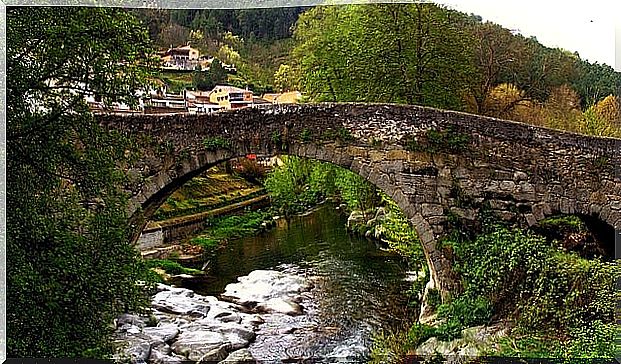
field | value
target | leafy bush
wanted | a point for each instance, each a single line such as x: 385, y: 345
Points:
x: 550, y: 294
x: 461, y: 313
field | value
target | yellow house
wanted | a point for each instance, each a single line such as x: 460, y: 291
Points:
x: 229, y: 97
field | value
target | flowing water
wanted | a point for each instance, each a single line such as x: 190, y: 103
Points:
x: 358, y: 287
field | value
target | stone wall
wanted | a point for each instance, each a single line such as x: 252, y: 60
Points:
x: 433, y: 163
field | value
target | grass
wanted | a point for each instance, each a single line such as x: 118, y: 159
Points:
x: 170, y: 266
x: 232, y: 227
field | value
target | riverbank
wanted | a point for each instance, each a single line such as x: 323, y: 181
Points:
x: 156, y: 237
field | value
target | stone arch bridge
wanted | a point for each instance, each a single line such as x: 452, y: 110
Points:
x: 433, y: 163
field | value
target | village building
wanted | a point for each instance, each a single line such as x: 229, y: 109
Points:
x: 198, y: 102
x: 230, y: 97
x: 184, y: 58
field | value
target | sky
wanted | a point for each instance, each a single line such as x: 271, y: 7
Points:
x: 587, y: 27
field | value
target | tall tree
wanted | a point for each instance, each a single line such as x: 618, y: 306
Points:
x: 595, y: 81
x: 495, y: 52
x: 389, y: 53
x: 71, y: 268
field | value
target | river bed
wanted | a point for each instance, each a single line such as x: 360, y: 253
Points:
x: 357, y: 287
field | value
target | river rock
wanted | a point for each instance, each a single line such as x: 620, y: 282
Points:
x: 180, y: 303
x: 165, y: 332
x: 261, y: 286
x: 201, y: 345
x: 132, y: 320
x: 473, y: 340
x: 279, y: 305
x: 219, y: 313
x: 158, y: 357
x: 138, y: 349
x: 252, y: 320
x: 242, y: 356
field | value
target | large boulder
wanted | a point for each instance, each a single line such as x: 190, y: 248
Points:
x: 268, y: 291
x: 165, y: 332
x: 180, y: 303
x: 202, y: 345
x: 242, y: 356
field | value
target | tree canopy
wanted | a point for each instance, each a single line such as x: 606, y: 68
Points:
x: 384, y: 53
x: 71, y: 268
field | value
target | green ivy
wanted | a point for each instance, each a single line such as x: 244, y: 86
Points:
x: 216, y: 143
x: 306, y: 136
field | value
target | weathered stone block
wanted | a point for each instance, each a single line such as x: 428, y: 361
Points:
x: 539, y: 211
x: 431, y: 210
x: 530, y: 219
x: 507, y: 186
x: 520, y: 176
x: 566, y: 206
x: 467, y: 214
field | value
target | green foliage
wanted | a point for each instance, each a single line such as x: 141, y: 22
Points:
x: 71, y: 269
x: 594, y: 340
x: 306, y: 136
x: 531, y: 346
x: 191, y: 206
x: 207, y: 80
x: 544, y: 290
x: 216, y: 143
x: 232, y: 227
x: 593, y: 124
x: 301, y: 183
x: 291, y: 187
x: 357, y: 193
x: 595, y: 81
x: 434, y: 300
x: 401, y: 237
x: 391, y: 347
x: 284, y: 79
x: 461, y: 313
x: 171, y: 267
x: 565, y: 222
x: 398, y: 53
x: 277, y: 140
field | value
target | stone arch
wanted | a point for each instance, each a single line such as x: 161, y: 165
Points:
x: 161, y: 185
x: 431, y: 162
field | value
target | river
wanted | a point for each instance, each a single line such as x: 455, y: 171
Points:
x: 358, y: 287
